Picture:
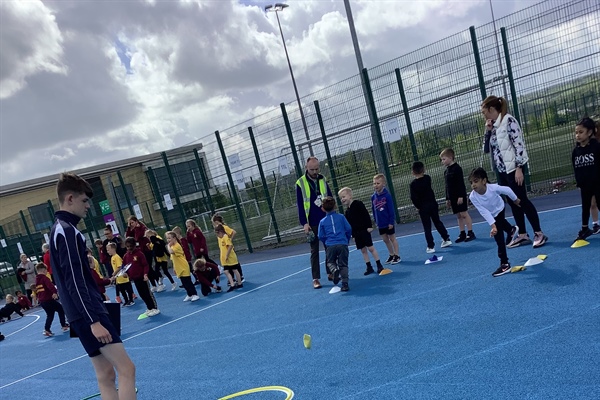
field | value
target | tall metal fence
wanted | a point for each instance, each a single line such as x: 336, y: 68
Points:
x: 544, y: 59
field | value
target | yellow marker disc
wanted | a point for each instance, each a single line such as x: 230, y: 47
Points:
x: 385, y: 271
x: 307, y: 341
x: 542, y: 256
x: 518, y: 268
x: 579, y: 243
x: 289, y: 392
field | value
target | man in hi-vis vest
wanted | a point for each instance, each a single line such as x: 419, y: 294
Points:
x: 311, y: 188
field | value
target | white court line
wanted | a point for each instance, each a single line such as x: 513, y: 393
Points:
x: 26, y: 326
x: 231, y: 298
x: 163, y: 325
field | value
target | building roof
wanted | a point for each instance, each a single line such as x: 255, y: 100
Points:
x: 94, y: 171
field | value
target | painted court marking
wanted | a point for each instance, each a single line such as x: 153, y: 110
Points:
x: 26, y: 326
x: 289, y: 392
x: 294, y: 274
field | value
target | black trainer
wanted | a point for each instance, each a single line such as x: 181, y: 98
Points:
x: 596, y: 229
x: 389, y: 260
x: 512, y: 234
x: 345, y: 287
x: 396, y: 259
x: 369, y: 271
x: 502, y: 269
x: 379, y: 269
x: 584, y: 233
x: 470, y: 236
x: 336, y: 276
x: 461, y: 237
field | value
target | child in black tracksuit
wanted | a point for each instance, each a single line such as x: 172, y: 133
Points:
x: 423, y: 198
x: 586, y: 164
x: 10, y: 308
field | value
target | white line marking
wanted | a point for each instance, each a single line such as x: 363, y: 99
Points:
x: 26, y: 326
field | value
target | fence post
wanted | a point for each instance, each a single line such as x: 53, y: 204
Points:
x: 157, y: 197
x: 51, y: 211
x: 511, y: 80
x: 116, y: 201
x: 478, y: 63
x: 27, y: 230
x: 288, y: 129
x: 204, y: 178
x: 124, y: 188
x: 175, y: 191
x: 3, y: 236
x: 264, y: 184
x: 386, y: 168
x: 234, y: 191
x: 411, y: 135
x: 329, y: 159
x: 150, y: 216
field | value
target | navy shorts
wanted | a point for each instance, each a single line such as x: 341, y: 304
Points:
x: 88, y: 340
x: 387, y: 231
x: 232, y: 268
x: 363, y: 239
x: 456, y: 208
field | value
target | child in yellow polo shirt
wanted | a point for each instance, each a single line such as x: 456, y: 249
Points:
x: 123, y: 286
x: 229, y: 259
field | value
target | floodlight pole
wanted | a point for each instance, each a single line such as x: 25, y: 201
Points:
x: 498, y: 51
x: 276, y: 8
x: 376, y: 150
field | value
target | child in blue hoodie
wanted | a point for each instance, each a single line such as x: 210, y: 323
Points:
x: 383, y: 212
x: 335, y: 232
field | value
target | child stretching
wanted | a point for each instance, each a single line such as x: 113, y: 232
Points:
x: 9, y: 308
x: 229, y: 259
x: 486, y: 197
x: 359, y: 219
x: 456, y: 195
x: 423, y: 198
x: 205, y: 273
x: 161, y: 259
x: 138, y: 273
x: 23, y: 301
x: 47, y: 296
x: 124, y: 287
x: 180, y: 266
x: 586, y: 163
x: 217, y: 220
x: 335, y: 233
x: 383, y: 211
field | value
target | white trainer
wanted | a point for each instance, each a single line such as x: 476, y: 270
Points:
x: 154, y: 312
x: 447, y: 243
x: 187, y: 298
x: 173, y: 286
x: 430, y: 250
x: 160, y: 288
x: 194, y: 298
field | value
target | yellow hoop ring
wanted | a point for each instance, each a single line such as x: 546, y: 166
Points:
x: 289, y: 392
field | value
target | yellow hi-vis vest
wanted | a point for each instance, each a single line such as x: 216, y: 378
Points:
x: 305, y: 190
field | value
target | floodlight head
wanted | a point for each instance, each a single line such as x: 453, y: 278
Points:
x: 276, y: 7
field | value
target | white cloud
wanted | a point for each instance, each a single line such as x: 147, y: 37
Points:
x: 92, y: 82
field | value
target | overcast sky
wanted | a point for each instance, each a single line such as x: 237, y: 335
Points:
x: 89, y: 82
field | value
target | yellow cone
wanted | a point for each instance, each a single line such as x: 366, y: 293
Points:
x: 385, y: 271
x: 542, y: 256
x: 518, y: 268
x: 307, y: 341
x: 579, y: 243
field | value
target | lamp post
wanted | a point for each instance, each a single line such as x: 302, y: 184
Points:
x: 276, y: 8
x: 498, y: 51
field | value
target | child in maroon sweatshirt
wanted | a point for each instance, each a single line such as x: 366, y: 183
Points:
x: 205, y: 273
x: 47, y: 296
x: 138, y: 273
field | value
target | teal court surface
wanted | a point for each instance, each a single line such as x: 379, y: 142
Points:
x: 446, y: 330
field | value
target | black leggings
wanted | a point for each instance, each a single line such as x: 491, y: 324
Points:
x: 145, y: 294
x: 587, y: 192
x: 190, y: 289
x: 525, y: 207
x: 502, y: 225
x: 165, y: 270
x: 126, y: 290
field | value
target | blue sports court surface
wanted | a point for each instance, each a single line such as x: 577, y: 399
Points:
x: 447, y: 330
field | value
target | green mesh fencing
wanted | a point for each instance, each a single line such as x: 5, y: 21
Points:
x: 544, y: 59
